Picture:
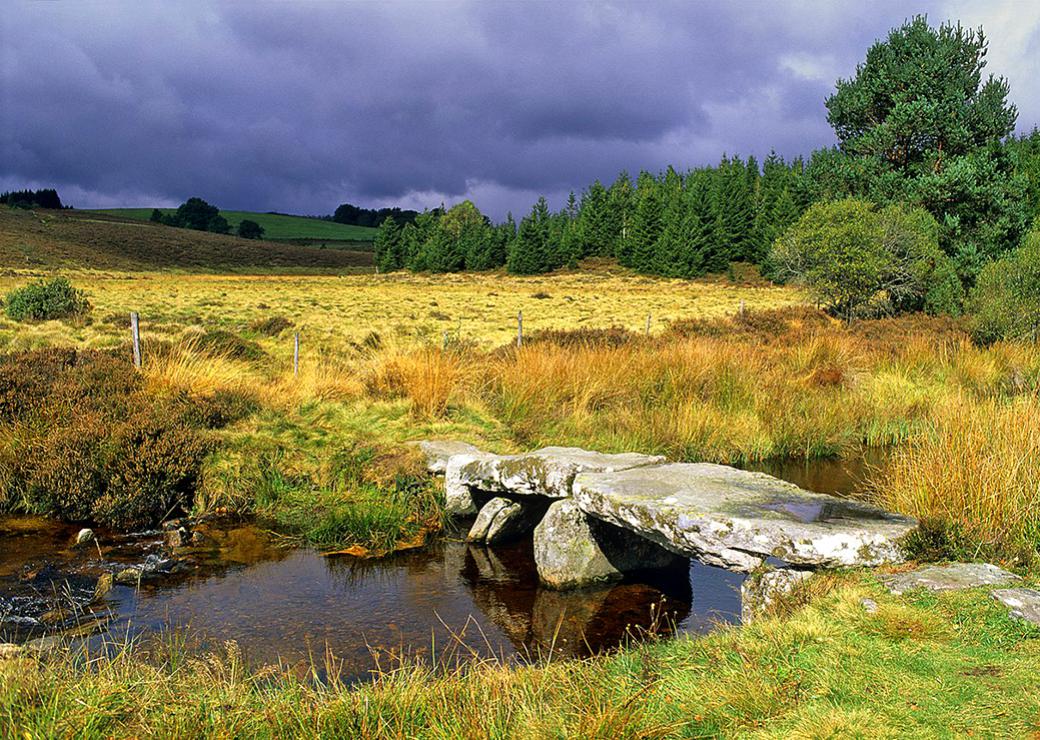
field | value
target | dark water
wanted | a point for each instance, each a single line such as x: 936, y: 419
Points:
x: 450, y: 600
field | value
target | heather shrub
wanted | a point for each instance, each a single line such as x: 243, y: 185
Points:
x: 82, y: 438
x: 43, y: 300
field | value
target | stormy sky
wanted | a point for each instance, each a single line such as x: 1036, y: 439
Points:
x: 300, y: 106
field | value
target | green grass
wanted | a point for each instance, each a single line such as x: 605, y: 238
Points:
x: 276, y: 226
x: 921, y: 666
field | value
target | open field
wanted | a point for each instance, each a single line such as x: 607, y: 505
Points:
x: 277, y: 226
x: 335, y: 311
x: 69, y: 240
x: 390, y: 358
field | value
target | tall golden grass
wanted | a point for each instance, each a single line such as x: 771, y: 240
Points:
x: 779, y: 384
x: 977, y: 469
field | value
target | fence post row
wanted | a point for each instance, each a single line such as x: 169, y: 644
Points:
x: 135, y: 337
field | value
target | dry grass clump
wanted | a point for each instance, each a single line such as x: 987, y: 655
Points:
x: 190, y: 367
x: 975, y: 476
x: 431, y: 378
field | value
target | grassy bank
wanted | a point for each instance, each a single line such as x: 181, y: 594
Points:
x: 831, y: 669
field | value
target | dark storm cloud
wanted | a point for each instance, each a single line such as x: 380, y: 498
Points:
x: 299, y: 106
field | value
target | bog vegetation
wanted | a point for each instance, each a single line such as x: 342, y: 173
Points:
x: 905, y: 319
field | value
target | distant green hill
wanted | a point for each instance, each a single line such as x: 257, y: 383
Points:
x: 276, y: 226
x: 99, y: 241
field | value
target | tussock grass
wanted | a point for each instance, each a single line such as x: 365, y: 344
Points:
x: 975, y: 476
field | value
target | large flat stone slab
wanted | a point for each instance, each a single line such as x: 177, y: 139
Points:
x: 950, y: 577
x: 547, y: 472
x: 736, y: 519
x: 1023, y: 603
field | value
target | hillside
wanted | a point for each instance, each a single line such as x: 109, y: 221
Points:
x: 277, y: 227
x: 90, y: 240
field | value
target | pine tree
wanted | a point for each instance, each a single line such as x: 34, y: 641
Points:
x: 734, y: 212
x: 387, y: 246
x: 665, y: 252
x: 594, y: 222
x: 620, y: 202
x: 531, y: 252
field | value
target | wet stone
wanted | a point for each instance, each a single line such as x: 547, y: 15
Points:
x: 952, y: 577
x: 85, y: 536
x: 1022, y: 603
x: 737, y: 519
x: 478, y: 532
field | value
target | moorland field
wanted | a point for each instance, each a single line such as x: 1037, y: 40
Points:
x: 319, y: 457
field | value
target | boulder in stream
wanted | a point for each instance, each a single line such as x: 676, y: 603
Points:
x: 572, y: 550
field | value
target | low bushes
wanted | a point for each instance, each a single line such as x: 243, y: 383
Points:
x: 44, y: 300
x: 83, y: 438
x: 1005, y: 302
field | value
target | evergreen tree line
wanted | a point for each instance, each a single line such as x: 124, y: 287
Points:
x: 352, y: 215
x: 45, y: 198
x: 679, y: 225
x: 919, y: 125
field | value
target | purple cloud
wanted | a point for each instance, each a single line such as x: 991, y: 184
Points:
x: 299, y: 107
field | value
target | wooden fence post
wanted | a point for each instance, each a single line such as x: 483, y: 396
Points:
x: 741, y: 312
x: 296, y: 354
x: 648, y: 324
x: 519, y: 328
x: 135, y: 337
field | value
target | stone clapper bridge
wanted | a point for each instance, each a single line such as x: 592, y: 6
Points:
x: 596, y: 517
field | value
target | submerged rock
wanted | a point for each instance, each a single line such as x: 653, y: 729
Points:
x: 951, y: 577
x: 761, y: 590
x: 737, y: 519
x: 438, y: 451
x: 572, y: 550
x: 129, y: 576
x: 1023, y: 603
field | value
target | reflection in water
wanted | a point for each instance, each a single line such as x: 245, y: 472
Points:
x: 293, y: 605
x: 847, y: 477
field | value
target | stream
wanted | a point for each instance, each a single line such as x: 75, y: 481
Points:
x: 448, y: 601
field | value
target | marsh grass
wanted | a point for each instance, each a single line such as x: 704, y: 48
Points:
x: 829, y: 669
x: 974, y: 479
